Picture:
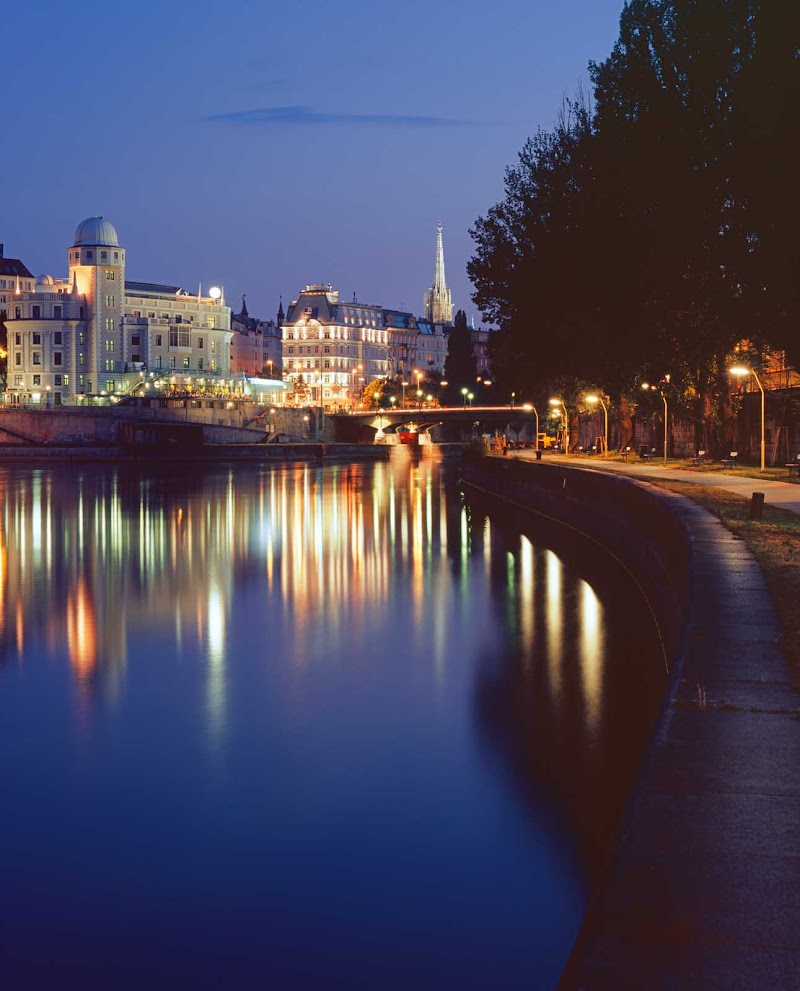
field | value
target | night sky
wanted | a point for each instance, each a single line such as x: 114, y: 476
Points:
x: 263, y: 146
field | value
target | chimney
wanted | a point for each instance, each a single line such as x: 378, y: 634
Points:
x: 1, y: 249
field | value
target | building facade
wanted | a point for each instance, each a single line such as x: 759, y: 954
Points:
x: 94, y: 333
x: 256, y: 345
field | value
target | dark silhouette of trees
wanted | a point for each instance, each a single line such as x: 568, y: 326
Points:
x: 653, y: 232
x: 460, y: 367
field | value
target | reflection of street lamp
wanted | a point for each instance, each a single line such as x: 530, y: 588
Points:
x: 594, y: 400
x: 528, y: 407
x: 740, y: 371
x: 560, y: 402
x: 653, y: 388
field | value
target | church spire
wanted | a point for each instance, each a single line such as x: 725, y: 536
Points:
x: 280, y: 311
x: 244, y: 312
x: 438, y: 303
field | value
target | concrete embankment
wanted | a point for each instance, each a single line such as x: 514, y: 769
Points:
x: 702, y: 888
x: 265, y: 453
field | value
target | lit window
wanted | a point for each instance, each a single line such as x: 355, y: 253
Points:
x: 109, y: 301
x: 109, y: 344
x: 37, y: 379
x: 109, y: 324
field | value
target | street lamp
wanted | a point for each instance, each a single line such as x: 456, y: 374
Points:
x: 652, y: 388
x: 470, y: 396
x: 594, y: 400
x: 513, y: 395
x: 464, y: 394
x: 560, y: 402
x: 419, y: 398
x: 404, y: 384
x: 528, y: 407
x: 741, y: 371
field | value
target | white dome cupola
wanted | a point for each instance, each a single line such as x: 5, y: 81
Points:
x: 96, y: 231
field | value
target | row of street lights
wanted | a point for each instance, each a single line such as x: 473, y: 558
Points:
x: 740, y: 371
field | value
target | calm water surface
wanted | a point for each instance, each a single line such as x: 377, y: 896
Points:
x: 303, y: 728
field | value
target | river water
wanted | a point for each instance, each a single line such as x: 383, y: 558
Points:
x: 303, y: 727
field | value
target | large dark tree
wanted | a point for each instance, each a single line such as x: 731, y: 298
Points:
x: 460, y: 367
x: 659, y: 231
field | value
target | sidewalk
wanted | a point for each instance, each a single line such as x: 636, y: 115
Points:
x: 782, y: 495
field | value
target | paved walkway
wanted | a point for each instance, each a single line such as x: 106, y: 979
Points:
x: 783, y: 495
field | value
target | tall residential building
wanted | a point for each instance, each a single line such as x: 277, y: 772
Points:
x: 437, y: 302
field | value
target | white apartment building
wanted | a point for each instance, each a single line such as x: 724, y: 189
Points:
x: 93, y: 333
x: 331, y: 349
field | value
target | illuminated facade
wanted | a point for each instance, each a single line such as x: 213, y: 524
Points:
x: 256, y: 345
x: 332, y: 349
x: 437, y: 302
x: 94, y: 333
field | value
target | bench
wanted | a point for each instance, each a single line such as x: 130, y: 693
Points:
x: 794, y: 466
x: 730, y: 461
x: 624, y: 454
x: 645, y: 455
x: 699, y: 459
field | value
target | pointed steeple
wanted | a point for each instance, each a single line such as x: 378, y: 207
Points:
x: 439, y: 280
x: 281, y: 314
x: 244, y: 313
x: 75, y: 283
x: 438, y: 302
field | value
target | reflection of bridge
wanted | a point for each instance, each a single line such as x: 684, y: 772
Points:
x: 452, y: 423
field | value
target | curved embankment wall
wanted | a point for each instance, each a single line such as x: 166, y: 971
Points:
x: 623, y: 516
x: 701, y: 890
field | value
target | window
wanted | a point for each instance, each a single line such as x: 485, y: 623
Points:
x: 213, y: 347
x: 109, y: 325
x: 173, y: 337
x: 17, y: 312
x: 57, y: 398
x: 109, y: 385
x: 66, y: 379
x: 212, y: 322
x: 56, y: 380
x: 57, y: 358
x: 37, y: 358
x: 103, y: 256
x: 158, y: 340
x: 213, y: 364
x: 37, y: 338
x: 80, y: 381
x: 134, y: 340
x: 18, y: 339
x: 89, y: 256
x: 57, y: 336
x: 80, y: 358
x: 57, y: 315
x: 109, y: 364
x: 17, y: 380
x: 109, y: 344
x: 17, y: 358
x: 186, y: 362
x: 158, y: 361
x: 172, y: 361
x: 200, y: 364
x: 109, y: 301
x: 136, y: 357
x: 37, y: 379
x: 116, y: 256
x: 200, y: 343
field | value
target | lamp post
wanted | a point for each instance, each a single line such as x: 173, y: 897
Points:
x: 740, y: 371
x: 464, y: 394
x: 560, y: 402
x: 652, y: 388
x: 419, y: 398
x: 470, y: 396
x: 404, y: 384
x: 513, y: 396
x: 528, y: 407
x: 594, y: 400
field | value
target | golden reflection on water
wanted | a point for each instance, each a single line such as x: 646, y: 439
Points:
x: 89, y: 559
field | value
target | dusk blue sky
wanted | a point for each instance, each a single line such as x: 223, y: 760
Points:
x: 263, y: 146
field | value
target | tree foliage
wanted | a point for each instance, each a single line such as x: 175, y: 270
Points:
x: 651, y: 232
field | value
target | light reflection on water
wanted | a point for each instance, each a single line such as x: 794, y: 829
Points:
x: 379, y: 720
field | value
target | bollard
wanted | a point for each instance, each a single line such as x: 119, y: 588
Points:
x: 538, y: 455
x: 756, y: 505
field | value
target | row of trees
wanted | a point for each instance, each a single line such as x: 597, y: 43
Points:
x: 654, y: 229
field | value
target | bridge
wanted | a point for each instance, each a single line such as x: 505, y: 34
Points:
x: 444, y: 424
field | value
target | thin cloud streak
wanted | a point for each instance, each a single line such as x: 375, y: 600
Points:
x: 298, y: 115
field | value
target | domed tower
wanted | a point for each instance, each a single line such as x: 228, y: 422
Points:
x: 97, y: 271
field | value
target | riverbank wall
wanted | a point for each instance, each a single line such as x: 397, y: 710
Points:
x: 701, y: 887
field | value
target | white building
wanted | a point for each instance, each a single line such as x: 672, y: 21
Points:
x: 93, y: 333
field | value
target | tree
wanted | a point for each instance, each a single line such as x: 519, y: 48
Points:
x: 460, y: 367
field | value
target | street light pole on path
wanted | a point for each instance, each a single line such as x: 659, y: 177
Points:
x: 740, y: 371
x: 599, y: 399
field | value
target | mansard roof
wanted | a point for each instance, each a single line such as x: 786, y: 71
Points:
x: 154, y: 289
x: 13, y: 266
